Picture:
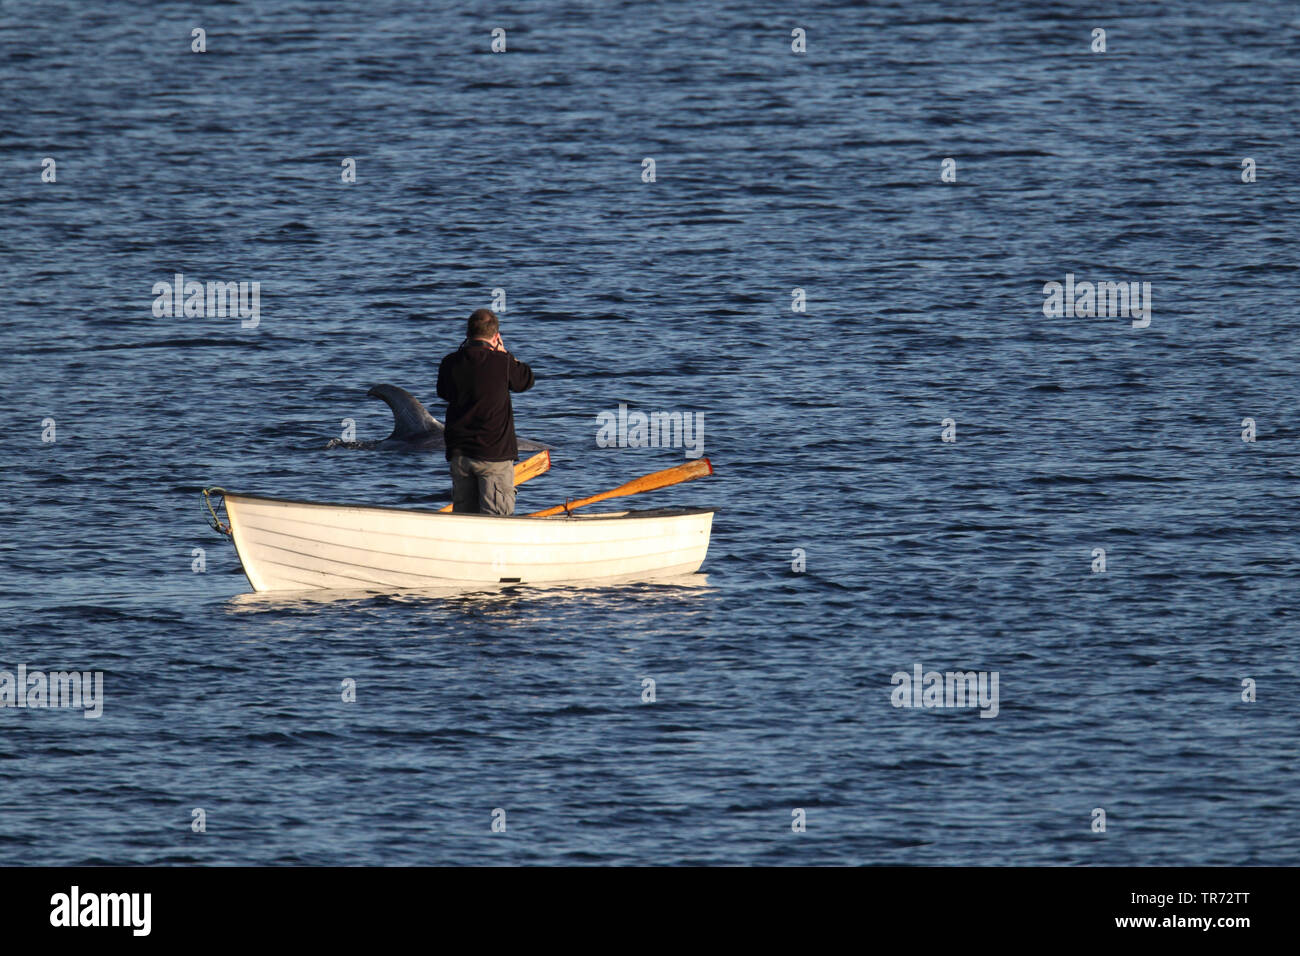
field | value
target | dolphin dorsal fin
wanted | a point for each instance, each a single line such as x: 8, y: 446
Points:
x: 410, y: 419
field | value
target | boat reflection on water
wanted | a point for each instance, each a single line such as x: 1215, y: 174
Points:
x: 485, y: 597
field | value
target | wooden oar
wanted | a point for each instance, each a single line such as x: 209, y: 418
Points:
x: 659, y: 479
x: 528, y: 468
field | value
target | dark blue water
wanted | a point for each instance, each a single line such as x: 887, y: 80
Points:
x: 820, y: 171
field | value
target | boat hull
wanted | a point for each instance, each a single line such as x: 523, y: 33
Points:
x: 287, y: 545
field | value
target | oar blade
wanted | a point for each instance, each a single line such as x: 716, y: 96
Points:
x: 699, y: 468
x: 686, y: 471
x: 532, y: 467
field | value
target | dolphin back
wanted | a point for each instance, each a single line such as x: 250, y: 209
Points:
x: 414, y: 426
x: 411, y: 421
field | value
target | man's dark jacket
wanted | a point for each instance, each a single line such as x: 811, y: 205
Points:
x: 476, y: 381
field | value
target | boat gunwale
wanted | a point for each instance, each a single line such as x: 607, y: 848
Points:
x: 626, y: 515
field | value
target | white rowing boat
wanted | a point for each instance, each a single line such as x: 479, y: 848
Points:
x: 287, y: 545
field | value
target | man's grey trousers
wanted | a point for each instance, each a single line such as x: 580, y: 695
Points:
x: 482, y: 487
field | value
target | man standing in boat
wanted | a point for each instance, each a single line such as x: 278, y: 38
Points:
x: 476, y: 381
